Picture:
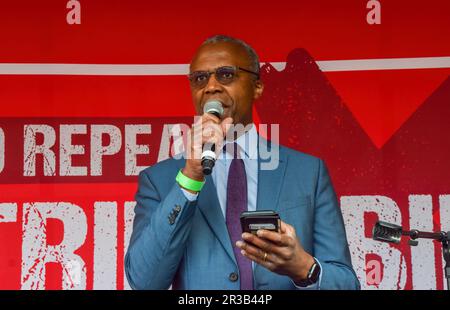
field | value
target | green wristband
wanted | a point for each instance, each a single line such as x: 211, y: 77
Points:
x: 188, y: 183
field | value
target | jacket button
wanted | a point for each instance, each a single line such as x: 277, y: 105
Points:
x: 233, y: 277
x: 171, y: 219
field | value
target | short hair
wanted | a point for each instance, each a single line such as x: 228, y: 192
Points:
x: 250, y: 51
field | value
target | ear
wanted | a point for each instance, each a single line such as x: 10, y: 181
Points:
x: 259, y: 88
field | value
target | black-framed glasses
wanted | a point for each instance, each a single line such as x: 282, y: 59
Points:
x: 224, y: 75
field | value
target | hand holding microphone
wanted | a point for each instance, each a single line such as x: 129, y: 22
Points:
x: 209, y: 157
x: 207, y: 135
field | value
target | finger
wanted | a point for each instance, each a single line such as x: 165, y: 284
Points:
x: 196, y: 138
x: 211, y: 138
x: 289, y: 231
x: 226, y: 124
x: 210, y: 117
x: 281, y: 240
x: 208, y: 131
x: 259, y: 260
x: 258, y: 242
x: 212, y: 133
x: 203, y: 130
x: 210, y: 123
x: 277, y: 255
x: 289, y: 235
x: 194, y: 144
x: 282, y: 227
x: 270, y: 235
x: 264, y: 245
x: 247, y: 247
x: 220, y: 129
x: 196, y: 132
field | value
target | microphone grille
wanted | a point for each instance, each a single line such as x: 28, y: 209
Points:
x: 214, y: 107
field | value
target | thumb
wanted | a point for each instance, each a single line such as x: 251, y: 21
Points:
x: 283, y: 227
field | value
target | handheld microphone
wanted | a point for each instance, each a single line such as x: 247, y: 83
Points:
x: 209, y: 156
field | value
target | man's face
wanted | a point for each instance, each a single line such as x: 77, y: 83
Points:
x: 237, y: 97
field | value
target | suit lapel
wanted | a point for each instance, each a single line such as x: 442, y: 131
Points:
x: 269, y: 186
x: 269, y: 181
x: 209, y: 206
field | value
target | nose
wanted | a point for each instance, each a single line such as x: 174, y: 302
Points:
x: 213, y: 85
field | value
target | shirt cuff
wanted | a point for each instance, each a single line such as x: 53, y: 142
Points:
x: 314, y: 286
x: 189, y: 196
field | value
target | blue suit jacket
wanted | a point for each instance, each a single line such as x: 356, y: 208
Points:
x: 191, y: 249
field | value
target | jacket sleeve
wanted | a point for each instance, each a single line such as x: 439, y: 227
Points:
x: 330, y: 241
x: 159, y: 234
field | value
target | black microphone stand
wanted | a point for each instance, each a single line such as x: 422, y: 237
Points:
x: 442, y: 236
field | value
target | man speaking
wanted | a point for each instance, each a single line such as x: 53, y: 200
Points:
x: 187, y: 231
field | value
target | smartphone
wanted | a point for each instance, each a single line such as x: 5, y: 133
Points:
x: 252, y: 221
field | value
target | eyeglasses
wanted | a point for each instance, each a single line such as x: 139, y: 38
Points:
x: 224, y: 75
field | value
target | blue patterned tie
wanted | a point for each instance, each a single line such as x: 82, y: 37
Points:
x: 236, y: 204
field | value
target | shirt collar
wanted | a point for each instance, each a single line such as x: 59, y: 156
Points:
x: 248, y: 143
